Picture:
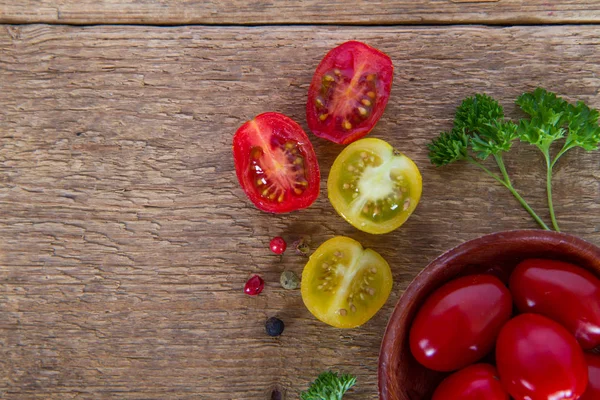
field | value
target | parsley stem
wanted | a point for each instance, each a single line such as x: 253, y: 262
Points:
x: 568, y: 146
x: 549, y: 165
x: 511, y: 188
x: 508, y: 184
x: 471, y: 160
x: 500, y: 162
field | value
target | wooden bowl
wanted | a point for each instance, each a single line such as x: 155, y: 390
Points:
x: 401, y: 377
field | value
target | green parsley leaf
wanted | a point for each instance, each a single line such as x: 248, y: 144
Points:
x: 448, y: 147
x: 477, y: 111
x: 493, y: 138
x: 483, y: 118
x: 548, y: 114
x: 583, y: 126
x: 329, y: 386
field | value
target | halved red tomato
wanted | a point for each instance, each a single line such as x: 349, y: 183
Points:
x: 276, y: 164
x: 349, y: 92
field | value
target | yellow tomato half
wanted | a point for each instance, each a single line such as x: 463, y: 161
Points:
x: 373, y: 186
x: 343, y: 284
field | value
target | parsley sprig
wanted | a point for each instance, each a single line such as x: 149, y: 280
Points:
x: 329, y: 386
x: 550, y: 119
x: 480, y: 130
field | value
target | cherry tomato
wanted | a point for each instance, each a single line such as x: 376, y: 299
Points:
x: 475, y: 382
x: 349, y: 92
x: 593, y: 388
x: 538, y: 359
x: 373, y: 186
x: 343, y: 284
x: 275, y: 163
x: 458, y: 324
x: 566, y: 293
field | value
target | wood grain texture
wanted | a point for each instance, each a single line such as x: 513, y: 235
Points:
x: 376, y: 12
x: 125, y: 239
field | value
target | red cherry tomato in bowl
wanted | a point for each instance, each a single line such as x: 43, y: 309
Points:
x: 563, y: 292
x: 275, y: 163
x: 349, y: 92
x: 458, y: 324
x: 538, y: 359
x: 475, y: 382
x: 593, y: 388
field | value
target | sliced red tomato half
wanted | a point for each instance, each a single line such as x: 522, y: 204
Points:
x: 349, y: 92
x: 276, y: 164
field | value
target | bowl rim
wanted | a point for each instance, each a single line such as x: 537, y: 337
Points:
x: 536, y: 235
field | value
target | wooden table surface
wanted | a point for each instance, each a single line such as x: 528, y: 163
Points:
x: 125, y: 239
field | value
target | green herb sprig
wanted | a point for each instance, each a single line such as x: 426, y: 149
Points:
x: 329, y: 386
x: 480, y: 130
x: 550, y: 119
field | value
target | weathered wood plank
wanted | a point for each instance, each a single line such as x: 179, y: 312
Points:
x: 125, y: 240
x: 376, y: 12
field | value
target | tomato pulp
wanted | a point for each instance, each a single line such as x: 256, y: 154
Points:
x: 276, y: 164
x: 349, y: 91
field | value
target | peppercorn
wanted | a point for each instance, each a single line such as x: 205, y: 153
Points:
x: 274, y: 326
x: 278, y: 245
x: 289, y: 280
x: 276, y: 395
x: 302, y: 247
x: 254, y: 285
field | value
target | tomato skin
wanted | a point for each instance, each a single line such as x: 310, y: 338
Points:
x: 593, y: 388
x: 458, y: 324
x: 538, y: 359
x: 475, y: 382
x: 563, y: 292
x: 351, y: 58
x: 260, y: 154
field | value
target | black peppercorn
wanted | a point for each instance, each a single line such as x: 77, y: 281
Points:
x: 276, y: 395
x: 274, y: 326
